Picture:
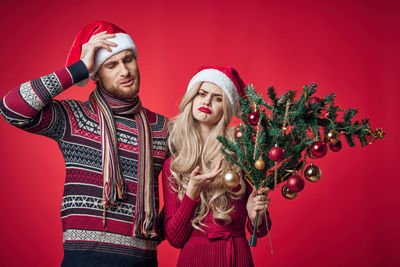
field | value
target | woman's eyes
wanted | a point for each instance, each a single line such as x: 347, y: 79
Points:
x: 216, y: 98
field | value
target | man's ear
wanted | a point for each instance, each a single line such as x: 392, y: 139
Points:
x: 96, y: 78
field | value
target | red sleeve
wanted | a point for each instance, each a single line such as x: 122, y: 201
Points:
x: 262, y: 230
x: 178, y: 214
x: 31, y: 107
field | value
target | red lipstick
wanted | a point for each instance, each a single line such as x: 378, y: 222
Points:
x: 205, y: 110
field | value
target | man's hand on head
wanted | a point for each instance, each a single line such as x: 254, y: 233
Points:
x: 96, y: 42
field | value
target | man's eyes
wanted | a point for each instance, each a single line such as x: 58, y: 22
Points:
x: 128, y: 59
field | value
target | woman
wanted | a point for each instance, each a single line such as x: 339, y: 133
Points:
x: 203, y: 216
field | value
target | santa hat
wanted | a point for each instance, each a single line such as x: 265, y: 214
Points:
x: 122, y: 39
x: 227, y: 78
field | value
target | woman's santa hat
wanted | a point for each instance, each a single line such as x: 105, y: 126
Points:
x: 122, y: 39
x: 227, y: 78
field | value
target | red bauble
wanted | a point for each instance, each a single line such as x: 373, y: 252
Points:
x: 275, y: 154
x: 253, y: 117
x: 336, y: 147
x: 318, y: 149
x: 313, y: 100
x: 295, y: 183
x: 238, y: 133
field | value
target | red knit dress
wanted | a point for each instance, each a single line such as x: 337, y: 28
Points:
x: 221, y: 244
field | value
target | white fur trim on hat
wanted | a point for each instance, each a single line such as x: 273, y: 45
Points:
x: 221, y: 80
x: 123, y: 41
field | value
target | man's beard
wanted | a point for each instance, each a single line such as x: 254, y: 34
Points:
x: 122, y: 94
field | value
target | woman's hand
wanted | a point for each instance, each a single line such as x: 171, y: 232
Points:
x: 256, y: 203
x: 96, y: 42
x: 199, y: 180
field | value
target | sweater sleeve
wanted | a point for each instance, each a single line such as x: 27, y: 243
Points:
x: 262, y: 229
x: 178, y: 214
x: 31, y: 107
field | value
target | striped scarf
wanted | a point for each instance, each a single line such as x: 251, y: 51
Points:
x: 114, y: 184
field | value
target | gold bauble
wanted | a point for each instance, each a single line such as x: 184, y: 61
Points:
x: 312, y: 173
x: 231, y: 179
x: 333, y: 136
x: 287, y: 194
x: 259, y: 164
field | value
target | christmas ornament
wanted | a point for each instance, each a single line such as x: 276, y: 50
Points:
x: 372, y: 136
x: 259, y: 164
x: 253, y: 117
x: 238, y: 133
x: 336, y: 147
x: 295, y: 183
x: 287, y: 194
x: 296, y: 123
x: 308, y: 151
x: 313, y: 100
x: 275, y: 153
x: 318, y: 149
x: 312, y: 173
x: 333, y: 136
x: 231, y: 179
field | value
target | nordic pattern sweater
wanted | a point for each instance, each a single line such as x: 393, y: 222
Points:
x: 75, y: 127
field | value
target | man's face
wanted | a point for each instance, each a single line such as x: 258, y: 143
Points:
x: 120, y: 76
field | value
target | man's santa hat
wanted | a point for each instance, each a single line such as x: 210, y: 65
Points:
x: 227, y: 78
x: 122, y: 39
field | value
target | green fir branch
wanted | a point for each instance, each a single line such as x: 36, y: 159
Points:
x: 305, y: 124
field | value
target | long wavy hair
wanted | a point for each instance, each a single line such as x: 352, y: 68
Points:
x: 189, y: 151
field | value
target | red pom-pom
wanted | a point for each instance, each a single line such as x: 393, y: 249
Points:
x: 275, y: 154
x: 295, y: 183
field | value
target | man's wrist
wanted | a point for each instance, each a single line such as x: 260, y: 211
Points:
x: 78, y: 71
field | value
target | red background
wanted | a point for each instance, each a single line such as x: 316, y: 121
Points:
x: 348, y: 218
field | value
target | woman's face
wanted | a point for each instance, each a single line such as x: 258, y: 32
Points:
x: 208, y: 104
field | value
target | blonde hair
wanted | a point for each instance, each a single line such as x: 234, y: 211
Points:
x: 189, y: 152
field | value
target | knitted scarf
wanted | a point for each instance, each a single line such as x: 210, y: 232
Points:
x: 114, y: 184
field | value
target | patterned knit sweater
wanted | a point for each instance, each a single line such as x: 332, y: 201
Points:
x: 75, y: 126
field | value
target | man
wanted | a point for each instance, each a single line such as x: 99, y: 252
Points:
x: 113, y: 149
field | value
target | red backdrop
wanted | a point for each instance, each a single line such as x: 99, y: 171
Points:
x: 348, y: 218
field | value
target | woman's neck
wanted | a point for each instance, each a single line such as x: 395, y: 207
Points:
x: 205, y: 130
